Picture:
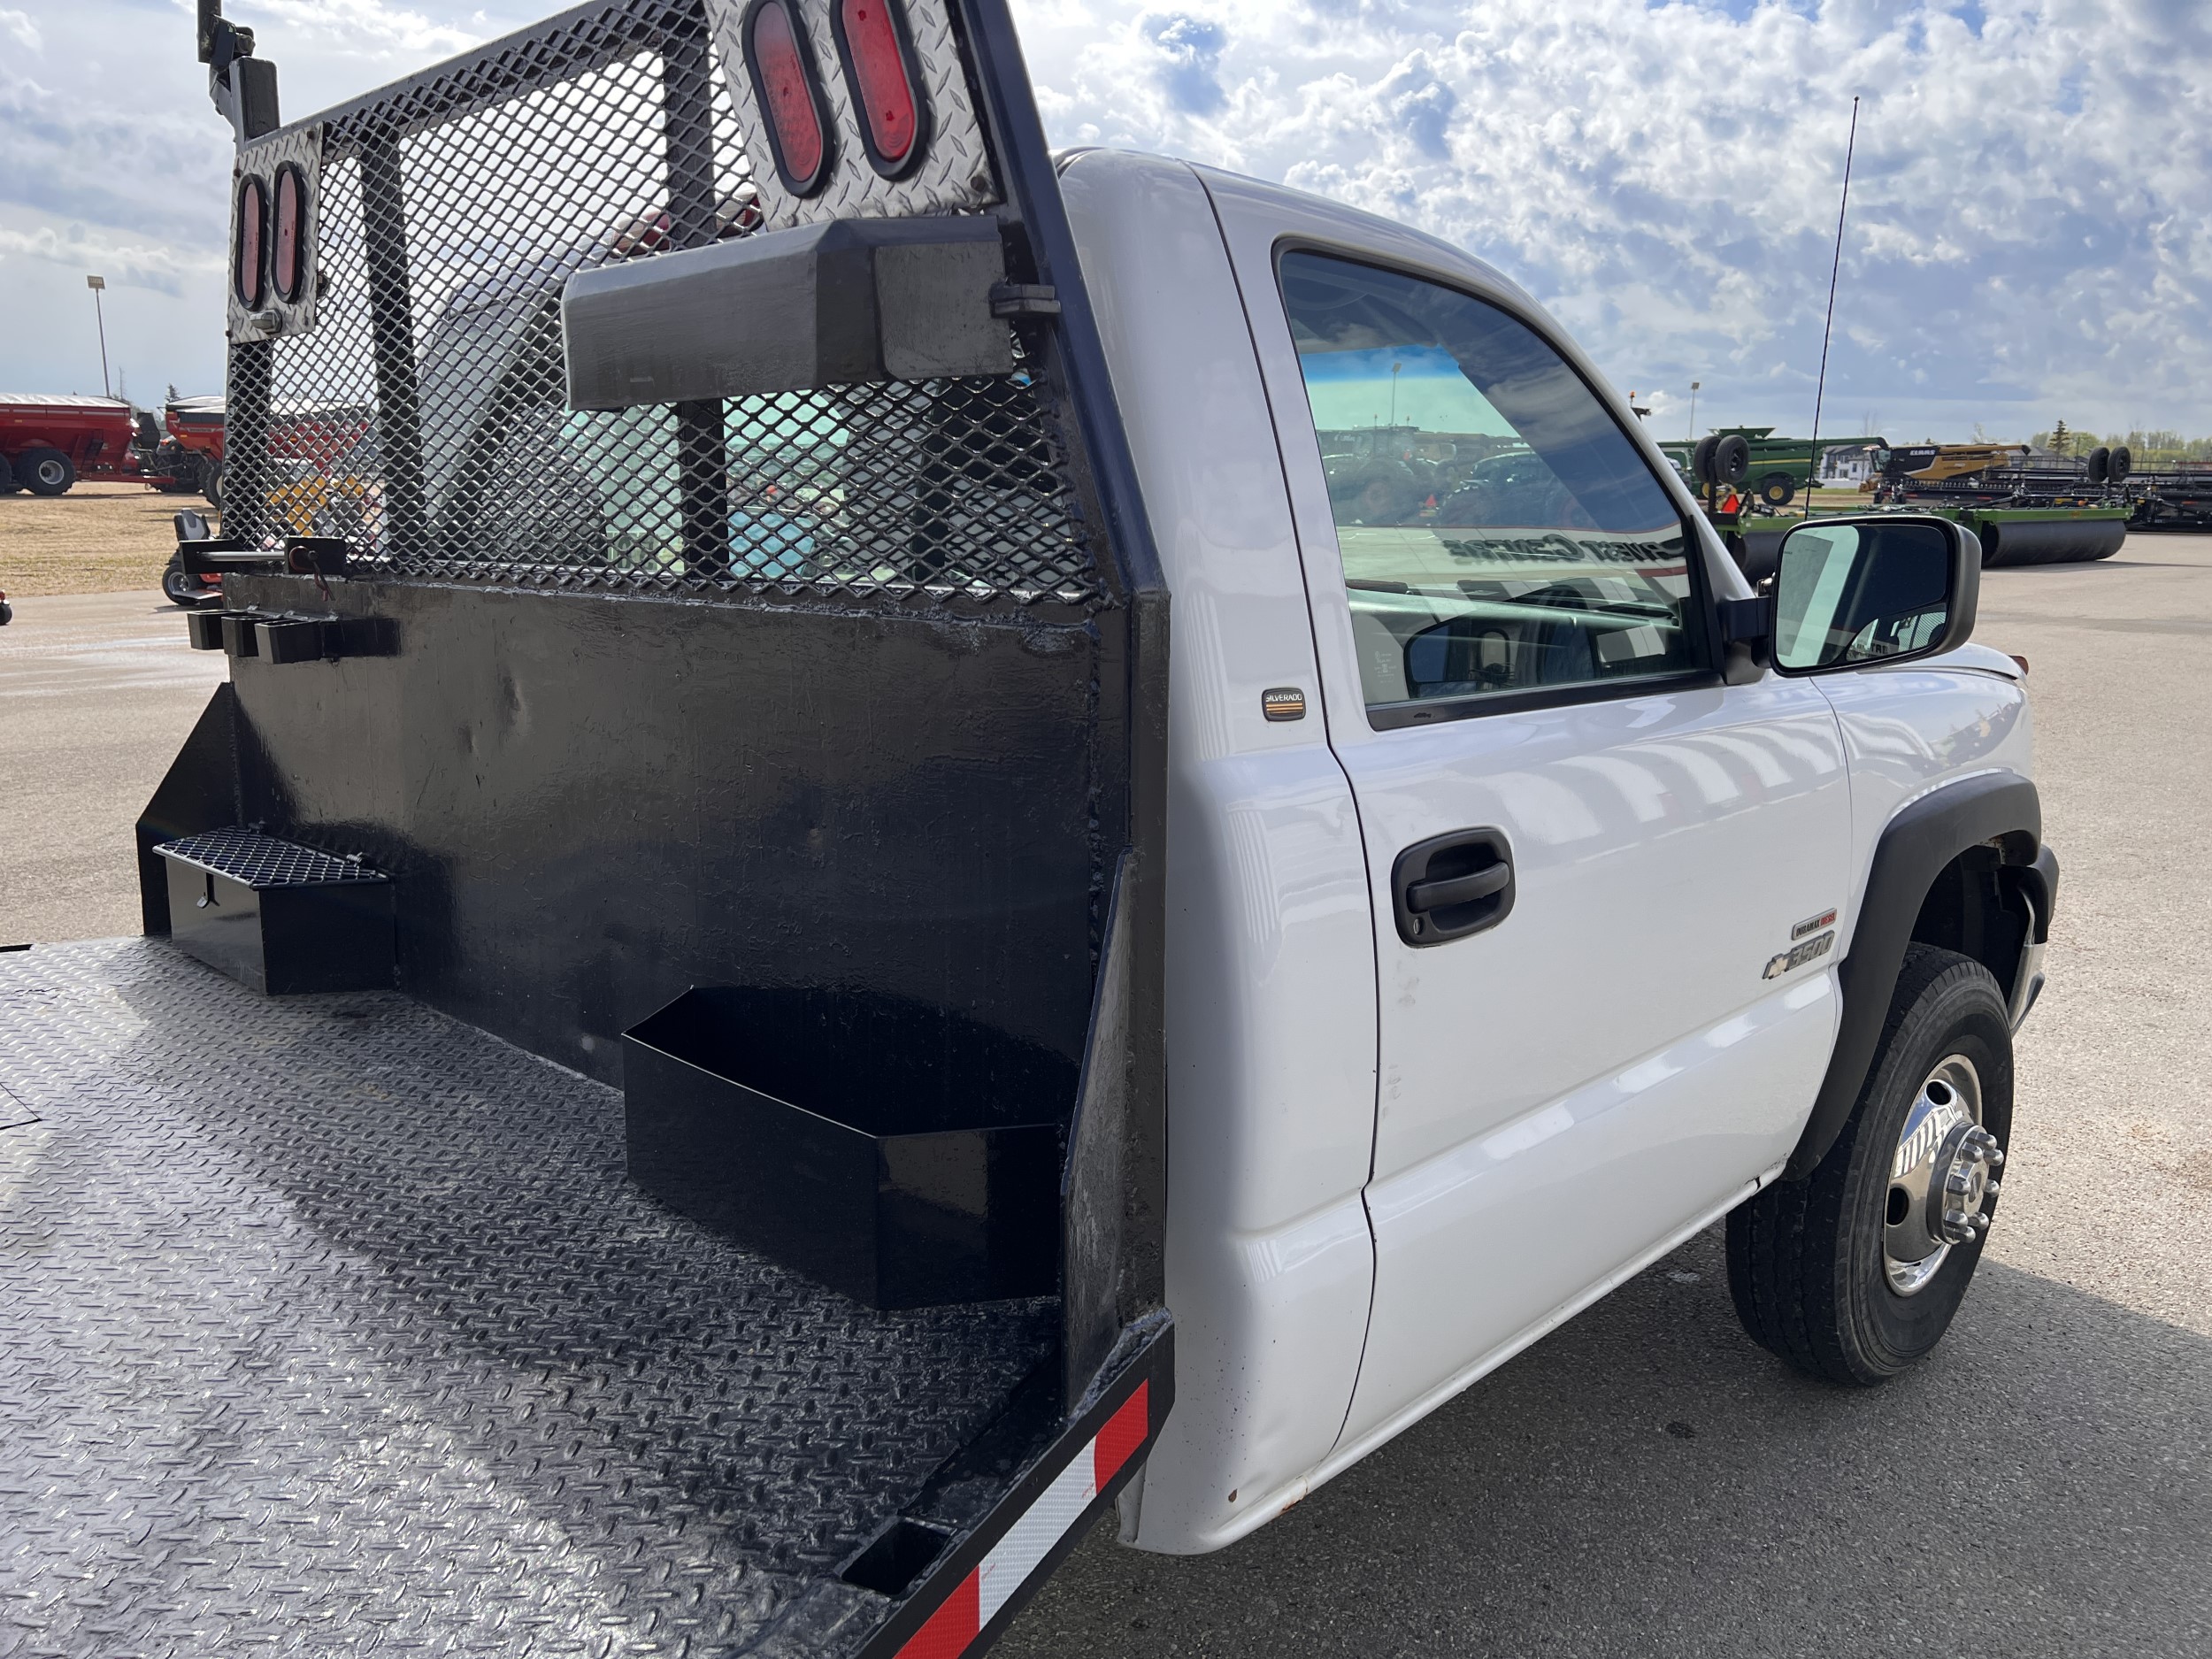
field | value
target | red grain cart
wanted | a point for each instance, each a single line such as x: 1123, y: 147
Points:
x: 184, y: 452
x: 47, y: 443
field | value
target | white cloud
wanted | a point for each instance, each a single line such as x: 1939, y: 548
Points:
x: 2031, y: 210
x: 2031, y: 229
x: 359, y: 26
x: 156, y: 266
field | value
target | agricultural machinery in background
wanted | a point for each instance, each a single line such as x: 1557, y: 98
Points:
x: 1774, y: 471
x: 2058, y: 520
x: 48, y: 442
x: 2175, y: 496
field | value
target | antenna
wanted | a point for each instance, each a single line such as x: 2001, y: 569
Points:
x: 1820, y: 390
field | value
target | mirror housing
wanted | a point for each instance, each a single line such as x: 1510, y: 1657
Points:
x: 1875, y: 587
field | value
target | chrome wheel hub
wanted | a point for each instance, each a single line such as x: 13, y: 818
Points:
x: 1941, y: 1177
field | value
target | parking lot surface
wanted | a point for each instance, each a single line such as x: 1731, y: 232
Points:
x: 97, y: 692
x: 1645, y: 1481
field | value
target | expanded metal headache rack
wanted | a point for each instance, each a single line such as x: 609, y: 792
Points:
x: 421, y: 414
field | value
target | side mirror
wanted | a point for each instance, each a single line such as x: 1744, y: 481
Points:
x: 1878, y: 589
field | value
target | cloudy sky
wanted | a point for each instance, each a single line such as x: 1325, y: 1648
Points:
x: 2031, y: 231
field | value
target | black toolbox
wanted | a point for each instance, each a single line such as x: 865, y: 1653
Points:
x: 904, y: 1155
x: 279, y: 917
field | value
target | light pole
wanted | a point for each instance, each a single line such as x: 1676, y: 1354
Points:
x: 1694, y: 385
x: 1394, y: 394
x: 99, y: 285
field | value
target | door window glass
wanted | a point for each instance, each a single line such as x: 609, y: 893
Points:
x: 1500, y: 533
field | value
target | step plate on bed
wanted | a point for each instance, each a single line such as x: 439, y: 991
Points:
x: 331, y: 1326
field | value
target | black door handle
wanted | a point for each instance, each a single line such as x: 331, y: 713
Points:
x: 1450, y: 886
x: 1423, y: 896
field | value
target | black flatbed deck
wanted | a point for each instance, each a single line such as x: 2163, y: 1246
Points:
x: 331, y: 1326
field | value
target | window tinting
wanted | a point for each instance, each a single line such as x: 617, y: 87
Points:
x: 1498, y: 532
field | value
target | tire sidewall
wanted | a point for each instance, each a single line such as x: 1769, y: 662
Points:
x: 45, y: 472
x: 1958, y: 1011
x: 176, y: 586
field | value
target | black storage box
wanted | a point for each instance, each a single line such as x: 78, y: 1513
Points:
x: 903, y: 1155
x: 279, y: 917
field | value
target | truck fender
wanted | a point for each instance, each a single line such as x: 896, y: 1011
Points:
x: 2000, y: 809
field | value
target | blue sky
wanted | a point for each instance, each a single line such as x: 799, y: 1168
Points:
x: 2030, y: 234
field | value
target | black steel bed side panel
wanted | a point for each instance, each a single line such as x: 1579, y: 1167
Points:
x: 589, y: 803
x: 199, y: 793
x: 1115, y: 1270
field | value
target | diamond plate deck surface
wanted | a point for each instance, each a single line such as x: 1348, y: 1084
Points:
x: 330, y: 1326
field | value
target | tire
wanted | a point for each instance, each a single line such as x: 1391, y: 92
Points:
x: 1701, y: 460
x: 178, y: 586
x: 2099, y: 464
x: 1731, y: 459
x: 45, y: 472
x: 1809, y: 1262
x: 2121, y: 463
x: 1778, y: 489
x: 9, y: 484
x: 211, y: 483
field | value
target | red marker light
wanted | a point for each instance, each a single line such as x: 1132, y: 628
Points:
x: 882, y: 75
x: 291, y: 206
x: 784, y: 82
x: 249, y: 271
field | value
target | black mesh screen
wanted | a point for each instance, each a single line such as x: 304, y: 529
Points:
x: 423, y: 419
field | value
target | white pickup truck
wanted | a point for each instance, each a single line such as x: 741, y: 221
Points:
x: 792, y: 1042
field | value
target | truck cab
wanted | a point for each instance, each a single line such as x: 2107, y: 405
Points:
x: 1430, y: 1133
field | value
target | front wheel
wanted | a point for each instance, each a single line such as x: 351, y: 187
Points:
x: 1854, y: 1273
x: 211, y: 484
x: 181, y: 587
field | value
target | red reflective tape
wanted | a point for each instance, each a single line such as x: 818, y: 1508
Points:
x: 1125, y: 1432
x: 952, y: 1627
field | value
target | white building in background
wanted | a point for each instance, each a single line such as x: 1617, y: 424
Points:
x: 1847, y: 465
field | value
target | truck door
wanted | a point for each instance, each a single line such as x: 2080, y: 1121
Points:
x: 1603, y: 880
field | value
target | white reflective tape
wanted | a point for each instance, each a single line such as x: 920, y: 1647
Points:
x: 1044, y: 1523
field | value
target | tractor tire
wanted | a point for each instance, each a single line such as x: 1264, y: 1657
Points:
x: 2121, y: 465
x: 45, y: 472
x: 1778, y: 489
x: 8, y: 482
x: 2099, y: 464
x: 1853, y: 1274
x: 211, y: 483
x: 1731, y: 460
x: 1701, y: 460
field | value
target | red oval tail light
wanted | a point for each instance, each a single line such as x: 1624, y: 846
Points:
x: 248, y: 266
x: 287, y: 238
x: 790, y: 94
x: 885, y: 81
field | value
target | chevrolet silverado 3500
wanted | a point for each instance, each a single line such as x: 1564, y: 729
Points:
x: 734, y: 1039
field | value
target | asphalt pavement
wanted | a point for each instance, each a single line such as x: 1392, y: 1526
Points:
x: 1645, y: 1482
x: 97, y: 693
